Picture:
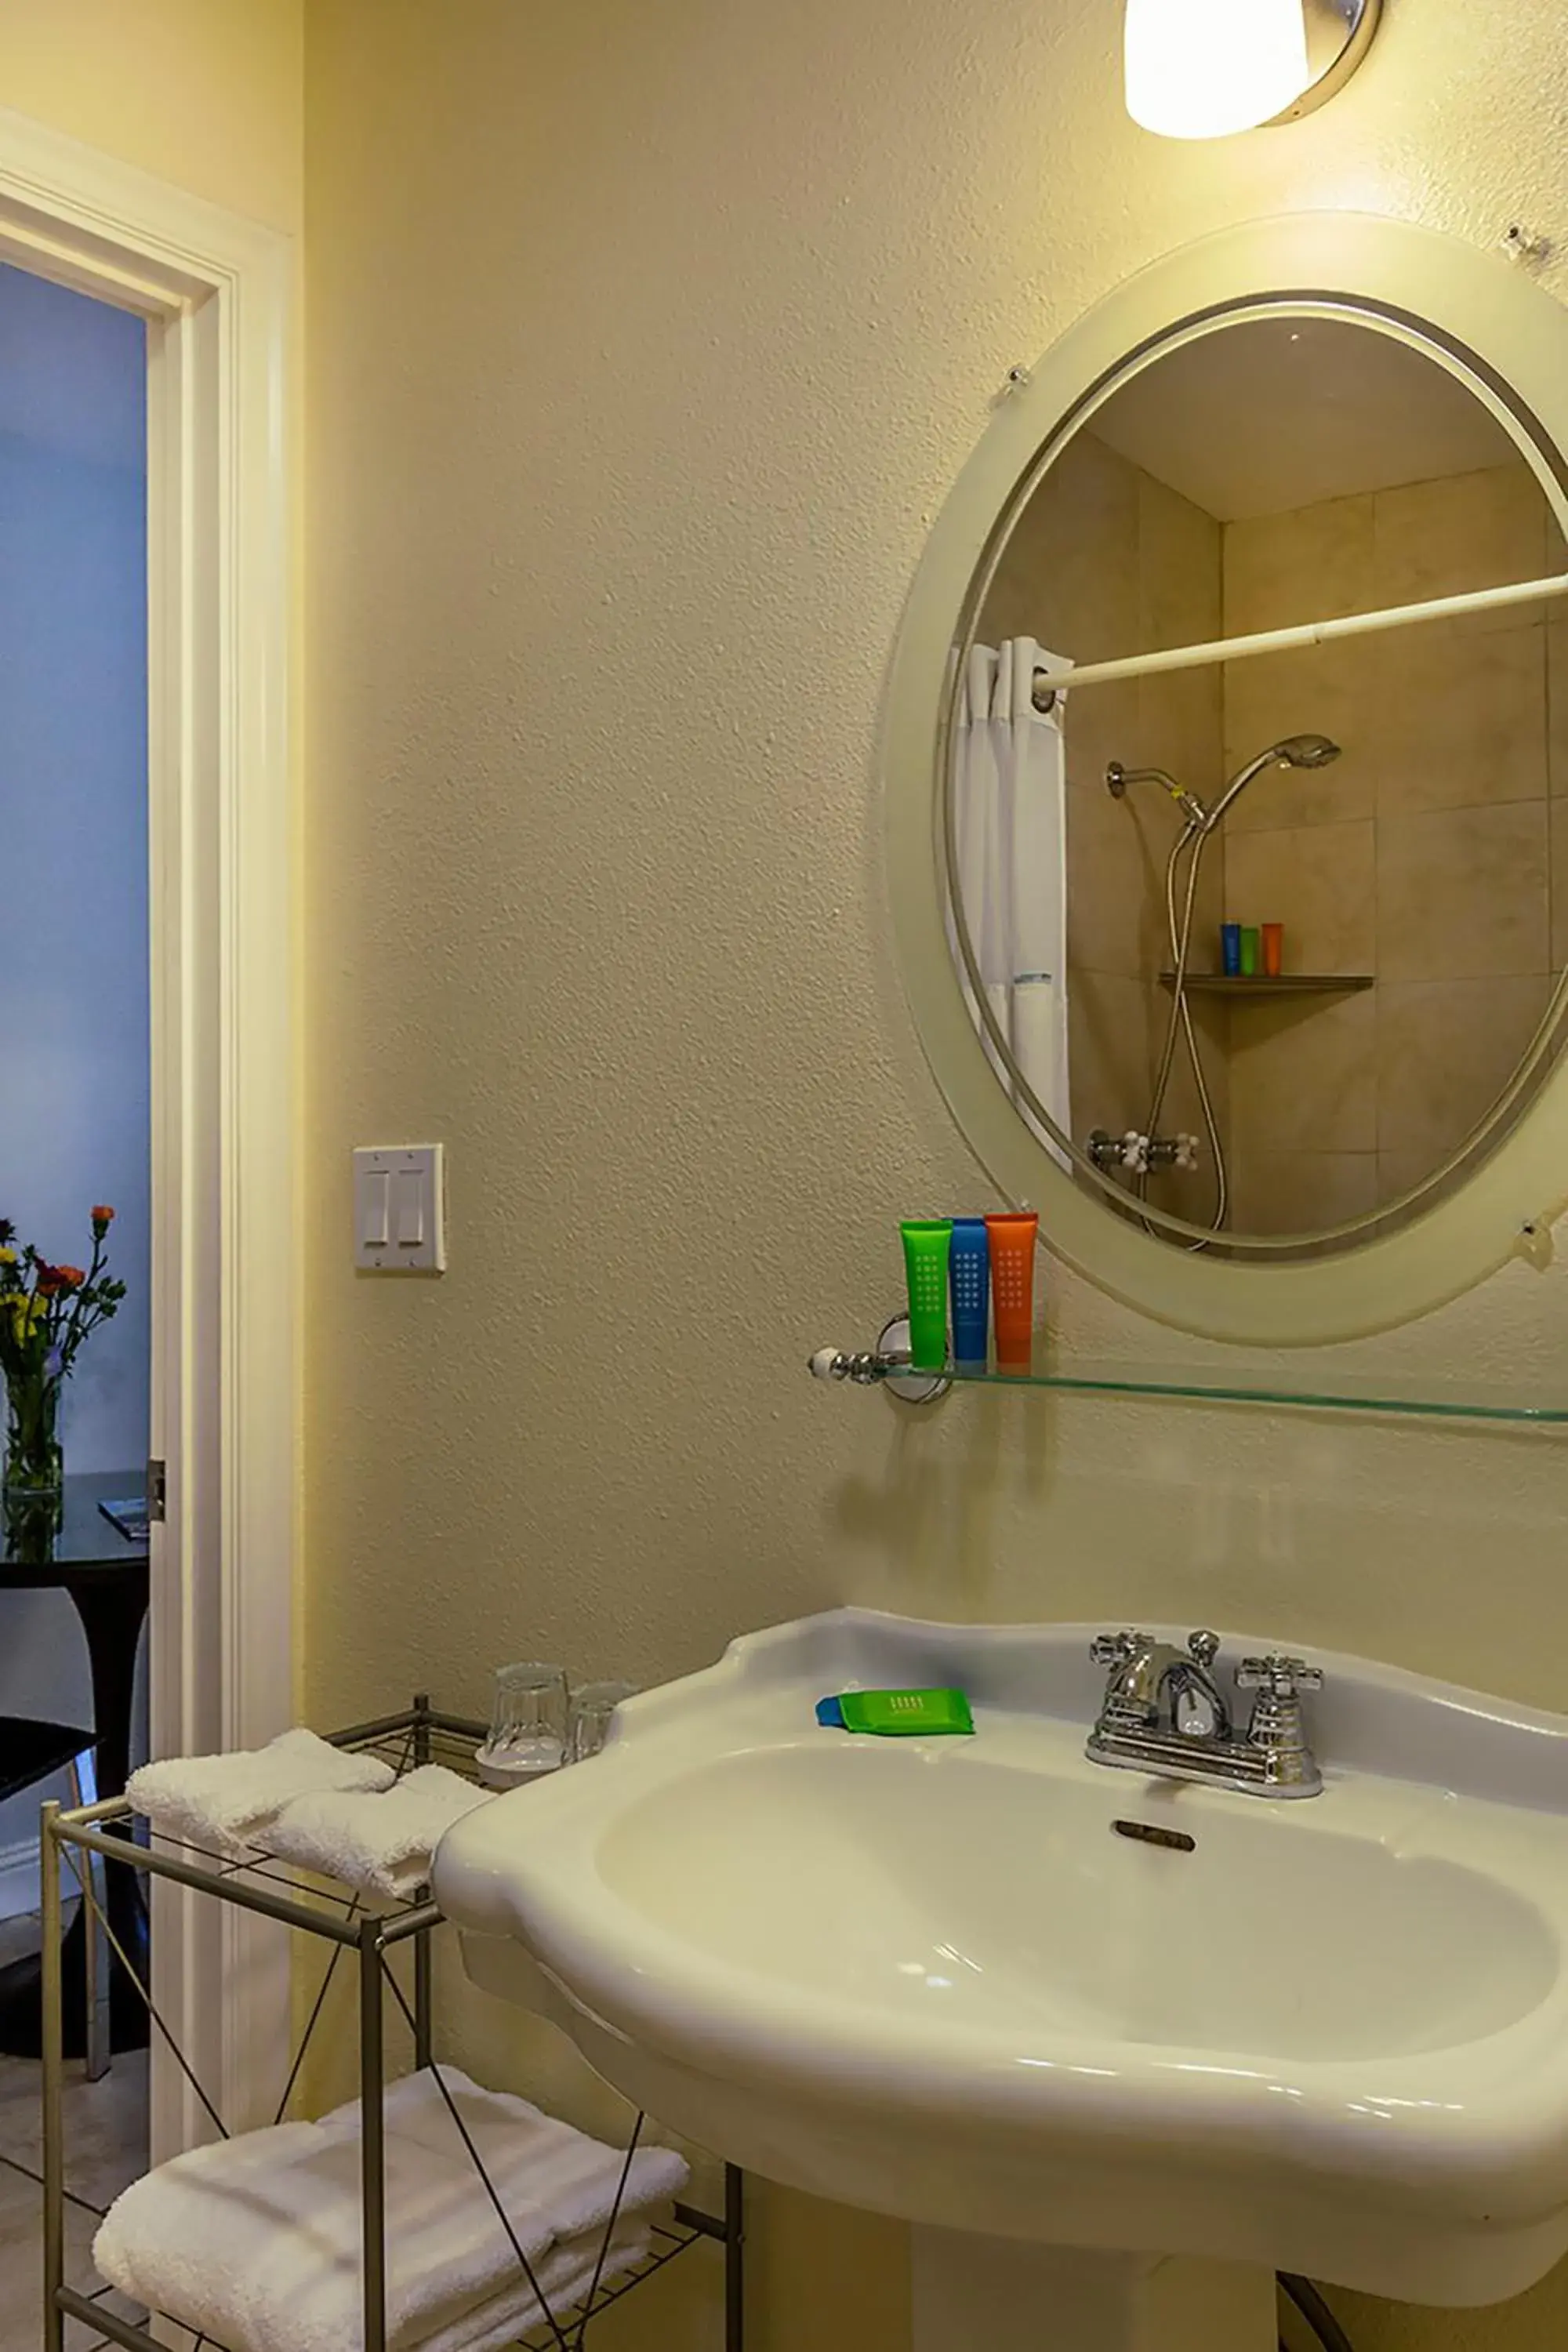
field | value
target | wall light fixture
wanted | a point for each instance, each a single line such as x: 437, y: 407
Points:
x: 1202, y: 68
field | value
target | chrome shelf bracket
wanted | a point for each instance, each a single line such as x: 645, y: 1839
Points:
x: 885, y: 1366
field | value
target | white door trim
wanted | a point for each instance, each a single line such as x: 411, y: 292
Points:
x: 216, y: 291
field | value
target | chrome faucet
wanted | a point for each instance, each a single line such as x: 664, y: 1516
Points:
x: 1164, y: 1713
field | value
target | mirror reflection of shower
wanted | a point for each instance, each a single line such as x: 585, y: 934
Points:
x: 1199, y: 823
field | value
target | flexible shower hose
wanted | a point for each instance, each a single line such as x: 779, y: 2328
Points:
x: 1181, y: 1021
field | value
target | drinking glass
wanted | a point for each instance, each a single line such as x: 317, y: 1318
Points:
x: 528, y: 1723
x: 592, y: 1704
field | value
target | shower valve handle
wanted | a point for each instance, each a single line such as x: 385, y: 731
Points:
x: 1140, y: 1154
x: 1130, y: 1151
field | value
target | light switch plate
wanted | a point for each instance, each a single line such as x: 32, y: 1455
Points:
x: 400, y: 1209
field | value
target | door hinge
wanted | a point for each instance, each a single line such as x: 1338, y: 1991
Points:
x: 157, y: 1491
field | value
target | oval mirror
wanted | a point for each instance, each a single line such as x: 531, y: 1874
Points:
x: 1251, y: 777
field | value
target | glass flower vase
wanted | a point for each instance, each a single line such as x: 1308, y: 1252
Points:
x: 34, y: 1464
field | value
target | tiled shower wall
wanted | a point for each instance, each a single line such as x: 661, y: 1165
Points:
x: 1423, y: 856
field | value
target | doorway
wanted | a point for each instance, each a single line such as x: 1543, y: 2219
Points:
x: 75, y: 1083
x: 213, y: 297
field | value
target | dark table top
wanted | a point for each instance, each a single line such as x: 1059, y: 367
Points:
x: 84, y: 1546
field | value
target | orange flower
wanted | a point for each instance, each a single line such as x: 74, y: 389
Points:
x: 101, y: 1220
x: 62, y: 1278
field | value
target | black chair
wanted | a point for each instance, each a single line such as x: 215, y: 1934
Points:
x: 31, y: 1752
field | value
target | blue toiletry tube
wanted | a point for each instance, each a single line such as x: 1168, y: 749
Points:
x: 968, y: 1272
x: 1230, y: 948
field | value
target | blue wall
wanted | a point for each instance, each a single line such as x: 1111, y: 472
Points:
x: 73, y: 818
x: 73, y: 890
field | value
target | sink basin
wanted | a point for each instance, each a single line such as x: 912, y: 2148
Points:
x: 989, y: 1986
x: 1239, y: 1949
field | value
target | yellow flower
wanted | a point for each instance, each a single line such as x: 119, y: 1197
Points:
x: 8, y: 1257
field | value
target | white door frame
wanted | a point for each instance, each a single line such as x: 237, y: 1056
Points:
x: 217, y: 292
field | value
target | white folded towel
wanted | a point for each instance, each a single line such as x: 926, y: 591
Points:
x: 257, y: 2242
x: 564, y: 2274
x: 225, y: 1801
x: 554, y: 2181
x: 381, y: 1845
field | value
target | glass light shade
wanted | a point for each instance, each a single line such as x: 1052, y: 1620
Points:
x: 1202, y: 68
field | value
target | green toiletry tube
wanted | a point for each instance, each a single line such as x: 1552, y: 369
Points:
x: 896, y: 1714
x: 927, y: 1242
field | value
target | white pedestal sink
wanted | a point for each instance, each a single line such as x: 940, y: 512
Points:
x: 929, y: 1977
x: 1001, y: 2294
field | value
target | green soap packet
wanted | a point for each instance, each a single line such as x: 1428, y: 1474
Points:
x: 899, y: 1714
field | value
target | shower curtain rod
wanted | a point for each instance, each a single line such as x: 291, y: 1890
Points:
x: 1048, y: 684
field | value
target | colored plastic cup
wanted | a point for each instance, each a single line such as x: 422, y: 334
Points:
x: 1230, y: 949
x: 1273, y: 949
x: 1248, y: 951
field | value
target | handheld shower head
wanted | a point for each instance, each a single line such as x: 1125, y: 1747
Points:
x: 1306, y: 751
x: 1292, y: 751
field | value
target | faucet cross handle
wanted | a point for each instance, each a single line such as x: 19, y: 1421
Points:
x: 1118, y: 1649
x: 1279, y: 1675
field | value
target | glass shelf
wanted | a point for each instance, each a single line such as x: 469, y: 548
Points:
x: 1274, y: 983
x: 1352, y: 1395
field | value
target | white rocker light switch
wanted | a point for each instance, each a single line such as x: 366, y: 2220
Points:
x: 400, y: 1223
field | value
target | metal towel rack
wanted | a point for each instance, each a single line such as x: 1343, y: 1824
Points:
x: 420, y: 1734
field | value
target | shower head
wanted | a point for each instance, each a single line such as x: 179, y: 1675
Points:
x: 1291, y: 751
x: 1306, y: 751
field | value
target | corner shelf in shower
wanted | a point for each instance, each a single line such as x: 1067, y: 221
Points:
x: 1278, y: 983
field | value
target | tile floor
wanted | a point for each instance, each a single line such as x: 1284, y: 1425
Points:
x: 106, y: 2137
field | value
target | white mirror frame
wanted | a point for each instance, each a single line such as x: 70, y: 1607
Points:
x: 1519, y: 332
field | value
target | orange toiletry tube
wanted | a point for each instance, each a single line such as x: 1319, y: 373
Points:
x: 1012, y: 1239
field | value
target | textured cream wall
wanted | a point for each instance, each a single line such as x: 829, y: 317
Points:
x: 205, y: 93
x: 644, y: 346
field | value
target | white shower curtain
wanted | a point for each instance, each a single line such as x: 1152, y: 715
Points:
x: 1010, y: 789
